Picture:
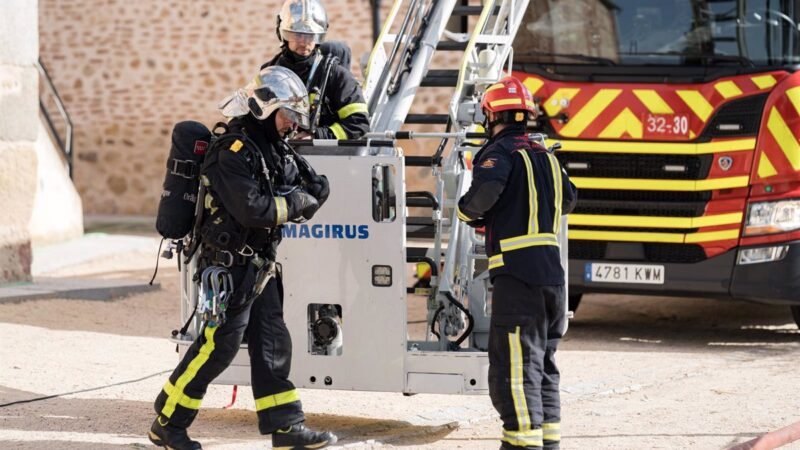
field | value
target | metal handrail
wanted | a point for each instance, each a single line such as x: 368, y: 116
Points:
x: 64, y: 145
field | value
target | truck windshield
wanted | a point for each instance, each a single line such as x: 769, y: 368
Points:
x: 753, y: 33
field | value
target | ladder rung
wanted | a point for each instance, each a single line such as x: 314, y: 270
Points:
x: 440, y: 78
x: 451, y: 46
x: 420, y: 227
x: 471, y: 10
x: 428, y: 119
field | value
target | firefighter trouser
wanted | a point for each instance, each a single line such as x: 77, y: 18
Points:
x: 527, y: 324
x: 270, y: 347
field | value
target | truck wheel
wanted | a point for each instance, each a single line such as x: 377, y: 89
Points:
x: 575, y: 301
x: 796, y: 314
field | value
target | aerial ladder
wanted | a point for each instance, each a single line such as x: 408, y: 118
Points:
x: 346, y: 272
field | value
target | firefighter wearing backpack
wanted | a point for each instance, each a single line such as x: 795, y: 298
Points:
x: 519, y: 192
x: 252, y: 187
x: 302, y: 25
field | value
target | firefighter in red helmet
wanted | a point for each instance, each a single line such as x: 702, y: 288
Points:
x: 519, y: 192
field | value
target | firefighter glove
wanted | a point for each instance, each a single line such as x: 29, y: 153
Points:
x: 301, y: 206
x: 319, y: 188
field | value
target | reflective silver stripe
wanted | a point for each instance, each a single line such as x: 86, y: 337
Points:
x: 533, y: 207
x: 552, y: 431
x: 529, y: 438
x: 528, y: 240
x: 281, y: 210
x: 496, y: 261
x: 557, y: 188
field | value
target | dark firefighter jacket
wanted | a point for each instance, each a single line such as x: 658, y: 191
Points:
x: 247, y: 204
x: 519, y: 192
x: 344, y: 112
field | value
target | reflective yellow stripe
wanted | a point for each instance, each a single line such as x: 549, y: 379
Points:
x: 496, y: 261
x: 784, y: 137
x: 665, y: 148
x: 494, y: 87
x: 528, y: 240
x: 556, y: 168
x: 530, y: 438
x: 551, y: 431
x: 674, y: 238
x: 655, y: 221
x: 533, y: 200
x: 765, y: 167
x: 728, y: 89
x: 506, y: 101
x: 556, y: 102
x: 551, y: 426
x: 351, y: 109
x: 793, y: 95
x: 764, y: 81
x: 653, y: 101
x: 533, y: 84
x: 462, y: 216
x: 697, y: 103
x: 590, y: 112
x: 625, y: 122
x: 185, y: 400
x: 191, y: 371
x: 517, y: 381
x: 338, y: 131
x: 660, y: 185
x: 281, y: 210
x: 272, y: 401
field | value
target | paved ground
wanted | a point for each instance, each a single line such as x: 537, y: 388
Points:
x: 638, y: 373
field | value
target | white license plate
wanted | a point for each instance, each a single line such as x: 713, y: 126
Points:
x: 623, y: 273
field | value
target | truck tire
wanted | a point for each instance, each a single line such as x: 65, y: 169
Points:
x: 796, y: 314
x: 574, y: 301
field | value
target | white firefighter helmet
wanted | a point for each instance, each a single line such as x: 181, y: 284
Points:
x: 274, y: 88
x: 302, y: 19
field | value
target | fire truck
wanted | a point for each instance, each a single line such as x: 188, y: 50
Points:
x: 679, y: 123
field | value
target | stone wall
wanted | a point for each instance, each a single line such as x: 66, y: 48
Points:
x: 19, y: 122
x: 128, y: 70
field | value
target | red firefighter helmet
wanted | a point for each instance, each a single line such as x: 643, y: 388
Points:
x: 508, y: 94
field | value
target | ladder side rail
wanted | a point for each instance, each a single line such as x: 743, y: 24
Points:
x: 390, y: 112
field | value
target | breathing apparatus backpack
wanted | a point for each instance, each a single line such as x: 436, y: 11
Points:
x: 176, y: 209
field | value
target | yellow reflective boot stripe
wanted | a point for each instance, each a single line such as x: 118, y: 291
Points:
x: 625, y: 122
x: 533, y: 225
x: 517, y: 381
x: 765, y: 167
x: 589, y: 112
x: 351, y: 109
x: 654, y: 103
x: 728, y: 89
x: 279, y: 399
x: 185, y: 401
x: 697, y: 103
x: 496, y: 261
x: 530, y: 438
x: 784, y: 137
x: 191, y: 371
x: 551, y: 431
x: 556, y: 168
x: 338, y: 131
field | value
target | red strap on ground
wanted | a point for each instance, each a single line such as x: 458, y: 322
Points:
x: 233, y: 397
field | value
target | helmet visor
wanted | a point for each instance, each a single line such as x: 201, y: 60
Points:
x: 294, y: 36
x: 298, y: 117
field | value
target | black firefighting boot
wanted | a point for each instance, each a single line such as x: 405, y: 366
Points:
x: 171, y: 437
x: 299, y: 437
